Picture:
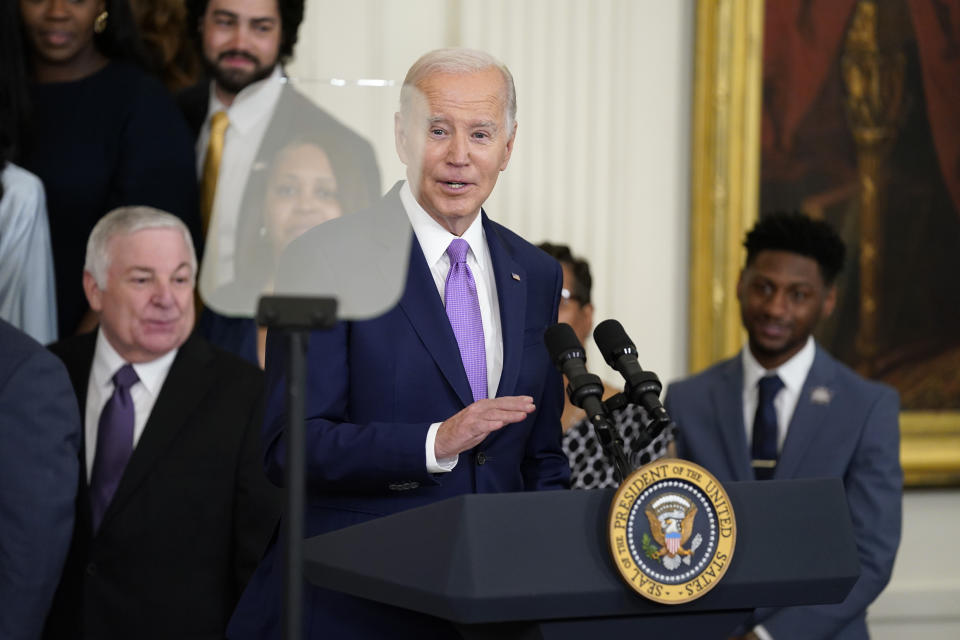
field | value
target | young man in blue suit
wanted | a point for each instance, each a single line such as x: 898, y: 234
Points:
x: 784, y: 409
x: 451, y: 391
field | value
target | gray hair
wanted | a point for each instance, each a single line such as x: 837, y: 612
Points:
x: 125, y: 221
x: 458, y: 61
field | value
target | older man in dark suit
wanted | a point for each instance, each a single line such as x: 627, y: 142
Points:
x: 174, y: 510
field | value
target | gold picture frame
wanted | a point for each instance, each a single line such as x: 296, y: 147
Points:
x: 724, y: 200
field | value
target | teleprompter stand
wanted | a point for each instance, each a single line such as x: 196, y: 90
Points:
x: 296, y: 316
x: 538, y: 565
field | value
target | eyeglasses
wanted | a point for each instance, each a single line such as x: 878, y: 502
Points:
x: 566, y: 296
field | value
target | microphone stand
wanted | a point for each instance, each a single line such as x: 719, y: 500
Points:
x: 585, y: 389
x: 649, y: 429
x: 296, y: 317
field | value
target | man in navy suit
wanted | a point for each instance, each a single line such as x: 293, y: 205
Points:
x: 407, y: 408
x: 784, y: 408
x: 40, y: 431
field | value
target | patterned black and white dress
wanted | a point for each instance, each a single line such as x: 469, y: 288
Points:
x: 589, y: 468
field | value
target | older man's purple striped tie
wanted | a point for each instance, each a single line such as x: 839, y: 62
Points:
x: 463, y: 310
x: 114, y: 443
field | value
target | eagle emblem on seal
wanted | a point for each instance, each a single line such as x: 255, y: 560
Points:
x: 671, y: 524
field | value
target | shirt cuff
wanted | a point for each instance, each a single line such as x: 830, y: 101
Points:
x: 434, y: 465
x: 762, y: 633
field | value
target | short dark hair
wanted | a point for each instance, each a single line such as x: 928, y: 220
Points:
x: 797, y: 233
x: 582, y: 280
x: 291, y: 15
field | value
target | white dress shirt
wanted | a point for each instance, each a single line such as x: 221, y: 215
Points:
x: 793, y: 373
x: 434, y: 240
x: 249, y: 115
x: 106, y: 362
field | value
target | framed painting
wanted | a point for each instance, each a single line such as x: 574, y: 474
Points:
x: 845, y: 110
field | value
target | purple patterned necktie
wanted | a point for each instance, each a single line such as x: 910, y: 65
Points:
x: 463, y: 310
x: 114, y: 443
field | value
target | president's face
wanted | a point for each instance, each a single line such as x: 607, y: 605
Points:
x: 241, y: 41
x: 455, y: 144
x: 146, y: 306
x: 782, y: 297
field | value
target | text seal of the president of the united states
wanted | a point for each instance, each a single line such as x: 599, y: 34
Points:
x: 672, y: 531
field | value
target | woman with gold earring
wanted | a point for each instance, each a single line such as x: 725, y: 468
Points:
x: 103, y: 131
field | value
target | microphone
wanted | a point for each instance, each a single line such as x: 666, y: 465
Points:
x: 643, y: 387
x: 585, y: 390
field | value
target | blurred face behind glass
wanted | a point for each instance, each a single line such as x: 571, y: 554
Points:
x: 573, y: 311
x: 241, y: 41
x: 455, y: 144
x: 60, y: 32
x: 301, y: 193
x: 146, y: 307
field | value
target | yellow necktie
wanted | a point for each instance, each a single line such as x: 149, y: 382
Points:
x: 211, y: 166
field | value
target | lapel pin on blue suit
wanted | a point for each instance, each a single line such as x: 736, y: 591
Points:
x: 515, y: 276
x: 821, y: 395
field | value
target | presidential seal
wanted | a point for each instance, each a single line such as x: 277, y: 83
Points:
x: 672, y: 531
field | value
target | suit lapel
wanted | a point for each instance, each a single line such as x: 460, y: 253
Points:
x: 728, y: 402
x: 511, y: 281
x: 78, y: 363
x: 424, y: 309
x: 809, y: 416
x: 185, y: 386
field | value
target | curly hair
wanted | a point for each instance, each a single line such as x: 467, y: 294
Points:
x: 580, y: 268
x: 797, y: 233
x: 291, y: 15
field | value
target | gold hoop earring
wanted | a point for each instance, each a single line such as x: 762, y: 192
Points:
x: 100, y: 24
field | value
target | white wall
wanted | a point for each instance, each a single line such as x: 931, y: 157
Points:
x: 922, y: 601
x: 601, y: 163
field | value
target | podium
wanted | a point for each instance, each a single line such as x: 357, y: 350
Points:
x: 537, y: 565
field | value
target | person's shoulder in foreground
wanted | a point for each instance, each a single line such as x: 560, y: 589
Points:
x: 39, y: 463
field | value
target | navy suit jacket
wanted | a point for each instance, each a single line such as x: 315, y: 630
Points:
x: 374, y: 388
x: 40, y: 429
x: 843, y: 427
